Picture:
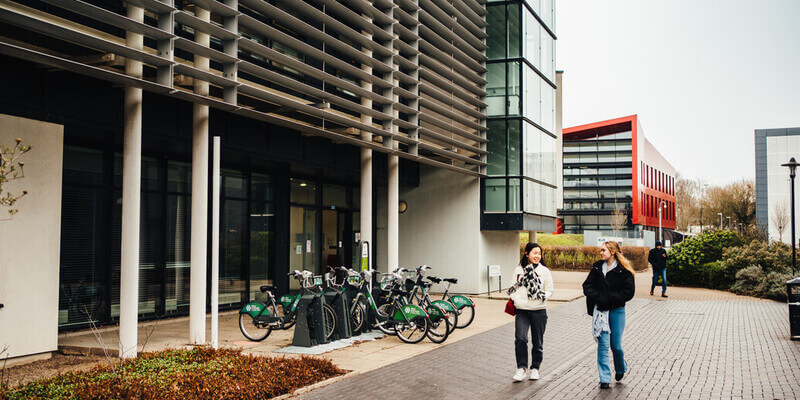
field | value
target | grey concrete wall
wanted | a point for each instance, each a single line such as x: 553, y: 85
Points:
x: 30, y: 243
x: 441, y: 227
x: 499, y: 248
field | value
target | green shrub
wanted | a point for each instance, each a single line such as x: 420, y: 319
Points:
x: 753, y: 281
x: 582, y: 257
x: 771, y: 257
x: 685, y: 259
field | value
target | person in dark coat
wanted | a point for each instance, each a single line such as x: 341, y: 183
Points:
x: 658, y: 259
x: 608, y: 287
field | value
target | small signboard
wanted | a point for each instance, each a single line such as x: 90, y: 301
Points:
x: 318, y: 280
x: 365, y: 256
x: 494, y: 270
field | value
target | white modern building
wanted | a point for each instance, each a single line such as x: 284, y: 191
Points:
x: 773, y: 148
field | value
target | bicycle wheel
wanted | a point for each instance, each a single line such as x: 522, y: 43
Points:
x: 384, y: 311
x: 466, y: 315
x: 453, y: 318
x: 330, y: 321
x: 251, y: 330
x: 439, y: 328
x: 358, y: 317
x: 413, y: 331
x: 287, y: 323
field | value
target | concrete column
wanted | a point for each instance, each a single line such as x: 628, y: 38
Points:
x: 131, y: 197
x: 197, y: 291
x: 393, y: 223
x: 366, y: 168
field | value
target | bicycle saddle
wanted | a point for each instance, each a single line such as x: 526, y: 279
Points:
x: 264, y: 288
x: 451, y: 280
x: 434, y: 279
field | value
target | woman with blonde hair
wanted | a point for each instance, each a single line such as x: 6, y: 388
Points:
x: 608, y: 287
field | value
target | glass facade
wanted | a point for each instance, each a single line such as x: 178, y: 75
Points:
x: 598, y: 179
x: 91, y: 237
x: 521, y: 108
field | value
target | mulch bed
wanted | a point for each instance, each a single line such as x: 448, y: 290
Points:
x: 199, y: 373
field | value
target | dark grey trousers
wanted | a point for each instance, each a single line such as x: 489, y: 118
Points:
x: 535, y: 320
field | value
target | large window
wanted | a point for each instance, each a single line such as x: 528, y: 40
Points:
x: 91, y: 237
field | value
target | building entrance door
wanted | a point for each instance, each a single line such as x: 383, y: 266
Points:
x: 302, y: 241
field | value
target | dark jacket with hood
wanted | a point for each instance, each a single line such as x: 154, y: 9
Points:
x: 610, y: 291
x: 656, y: 258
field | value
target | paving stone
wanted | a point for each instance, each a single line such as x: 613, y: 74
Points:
x: 687, y: 349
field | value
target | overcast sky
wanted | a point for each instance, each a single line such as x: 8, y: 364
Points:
x: 701, y: 74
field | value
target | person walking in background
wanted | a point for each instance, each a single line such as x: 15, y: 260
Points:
x: 533, y: 286
x: 608, y: 287
x: 658, y: 260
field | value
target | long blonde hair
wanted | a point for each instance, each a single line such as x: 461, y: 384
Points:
x: 613, y: 247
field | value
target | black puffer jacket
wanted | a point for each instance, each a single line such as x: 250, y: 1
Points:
x: 610, y: 291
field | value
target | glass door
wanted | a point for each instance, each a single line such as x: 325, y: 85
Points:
x: 302, y: 232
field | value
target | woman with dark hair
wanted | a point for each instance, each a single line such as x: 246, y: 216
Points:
x: 533, y: 286
x: 608, y: 287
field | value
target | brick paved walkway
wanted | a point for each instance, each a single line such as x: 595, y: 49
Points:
x: 675, y: 349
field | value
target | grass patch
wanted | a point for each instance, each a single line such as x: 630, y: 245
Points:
x: 198, y: 373
x: 565, y: 239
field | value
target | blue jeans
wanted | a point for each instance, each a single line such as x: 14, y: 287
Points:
x: 663, y: 275
x: 616, y: 321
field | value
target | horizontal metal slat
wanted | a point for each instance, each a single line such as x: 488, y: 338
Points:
x: 441, y: 138
x: 455, y: 31
x: 217, y: 7
x: 450, y: 154
x: 423, y: 102
x: 198, y: 24
x: 285, y: 81
x: 441, y: 48
x: 449, y: 87
x: 443, y: 70
x: 51, y: 29
x: 111, y: 18
x: 203, y: 51
x: 283, y: 59
x: 449, y: 100
x: 308, y: 50
x: 423, y: 116
x: 204, y: 75
x: 355, y: 19
x: 298, y: 24
x: 152, y: 5
x: 337, y: 26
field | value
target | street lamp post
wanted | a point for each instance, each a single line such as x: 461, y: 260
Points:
x: 792, y: 164
x: 720, y: 220
x: 729, y: 223
x: 661, y: 205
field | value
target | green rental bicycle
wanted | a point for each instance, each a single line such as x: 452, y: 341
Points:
x: 257, y: 319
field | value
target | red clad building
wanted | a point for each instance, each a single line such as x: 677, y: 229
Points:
x: 610, y: 165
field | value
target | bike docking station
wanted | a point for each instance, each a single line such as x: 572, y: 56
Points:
x: 335, y: 296
x: 310, y: 328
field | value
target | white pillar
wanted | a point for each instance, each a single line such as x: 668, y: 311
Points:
x: 131, y: 194
x: 366, y: 169
x: 215, y: 178
x: 199, y: 246
x: 393, y: 204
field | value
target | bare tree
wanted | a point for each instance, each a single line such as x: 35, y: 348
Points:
x: 780, y: 218
x: 11, y: 168
x: 619, y: 219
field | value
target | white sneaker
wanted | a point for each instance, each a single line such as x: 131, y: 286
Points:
x: 534, y: 374
x: 520, y: 375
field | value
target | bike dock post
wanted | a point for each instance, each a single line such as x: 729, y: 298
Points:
x: 310, y: 328
x: 337, y: 300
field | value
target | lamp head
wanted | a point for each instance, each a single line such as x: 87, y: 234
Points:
x: 792, y: 164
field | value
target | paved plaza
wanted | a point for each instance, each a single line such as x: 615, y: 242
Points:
x: 698, y: 344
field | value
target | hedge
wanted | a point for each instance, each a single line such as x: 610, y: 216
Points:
x: 582, y: 257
